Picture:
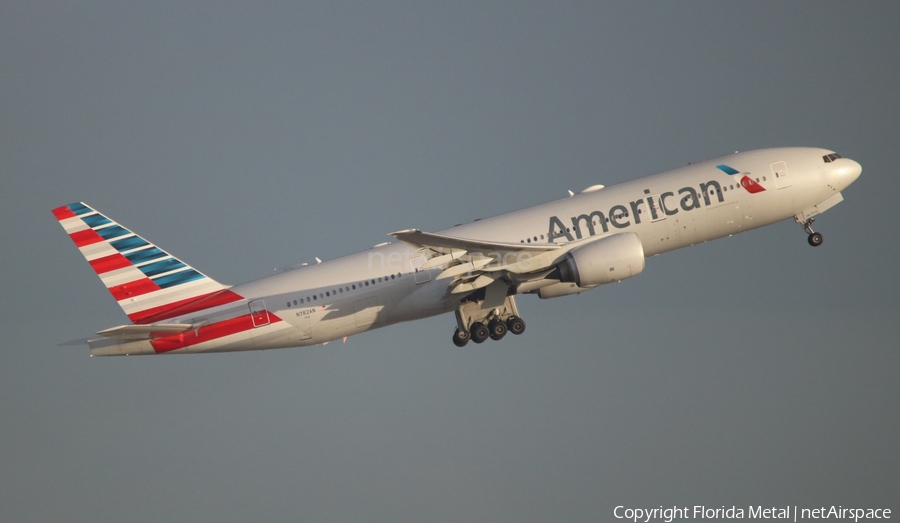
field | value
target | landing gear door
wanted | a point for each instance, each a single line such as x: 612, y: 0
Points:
x: 258, y: 313
x: 780, y: 172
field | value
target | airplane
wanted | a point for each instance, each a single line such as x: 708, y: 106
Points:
x: 599, y: 236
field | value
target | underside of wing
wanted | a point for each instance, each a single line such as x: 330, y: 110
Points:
x: 469, y: 265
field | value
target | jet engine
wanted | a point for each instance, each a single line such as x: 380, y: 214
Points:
x: 608, y: 260
x: 556, y: 290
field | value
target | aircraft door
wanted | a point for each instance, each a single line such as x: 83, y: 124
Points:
x: 780, y: 172
x: 657, y: 212
x: 259, y: 315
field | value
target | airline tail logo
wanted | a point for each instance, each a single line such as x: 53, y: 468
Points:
x: 747, y: 183
x: 147, y: 282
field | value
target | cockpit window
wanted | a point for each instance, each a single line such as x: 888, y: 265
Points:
x: 831, y: 157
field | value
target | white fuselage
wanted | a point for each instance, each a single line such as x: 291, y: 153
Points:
x: 699, y: 202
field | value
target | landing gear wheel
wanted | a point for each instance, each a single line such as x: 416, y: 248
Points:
x: 497, y: 329
x: 479, y: 332
x: 461, y: 338
x: 815, y: 239
x: 516, y: 325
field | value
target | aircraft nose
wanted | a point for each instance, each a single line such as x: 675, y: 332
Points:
x: 844, y: 172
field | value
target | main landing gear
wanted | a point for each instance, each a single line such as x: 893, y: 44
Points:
x: 495, y: 330
x: 815, y: 238
x: 477, y: 324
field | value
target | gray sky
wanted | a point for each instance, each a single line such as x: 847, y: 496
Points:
x: 242, y: 137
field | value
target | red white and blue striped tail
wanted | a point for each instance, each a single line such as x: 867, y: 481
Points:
x: 149, y: 284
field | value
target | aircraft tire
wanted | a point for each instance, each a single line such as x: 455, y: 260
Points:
x: 460, y: 339
x: 516, y: 325
x: 815, y: 239
x: 497, y: 329
x: 479, y: 332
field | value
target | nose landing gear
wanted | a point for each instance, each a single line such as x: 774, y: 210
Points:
x: 815, y: 238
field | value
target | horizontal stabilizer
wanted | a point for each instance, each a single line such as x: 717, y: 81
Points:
x: 79, y: 342
x: 143, y: 332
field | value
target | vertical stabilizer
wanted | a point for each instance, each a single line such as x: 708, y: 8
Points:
x: 148, y: 283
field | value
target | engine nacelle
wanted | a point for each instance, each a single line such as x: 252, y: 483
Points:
x: 608, y: 260
x: 556, y: 290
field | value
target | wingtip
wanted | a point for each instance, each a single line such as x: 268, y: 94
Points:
x: 396, y: 234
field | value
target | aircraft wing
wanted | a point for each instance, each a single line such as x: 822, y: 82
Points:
x: 440, y: 241
x: 146, y: 332
x: 468, y: 265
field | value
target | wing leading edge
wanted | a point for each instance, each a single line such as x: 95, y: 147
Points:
x: 440, y: 241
